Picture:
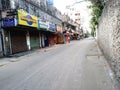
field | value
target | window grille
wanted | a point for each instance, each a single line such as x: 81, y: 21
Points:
x: 5, y: 4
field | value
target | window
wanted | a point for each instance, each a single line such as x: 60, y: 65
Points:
x: 26, y: 7
x: 75, y: 14
x: 16, y: 3
x: 21, y: 4
x: 31, y: 9
x: 37, y: 12
x: 5, y: 4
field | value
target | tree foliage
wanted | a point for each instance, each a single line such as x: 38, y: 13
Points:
x: 97, y: 7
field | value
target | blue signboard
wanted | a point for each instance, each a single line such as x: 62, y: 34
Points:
x: 52, y: 27
x: 50, y: 2
x: 9, y: 22
x: 42, y: 24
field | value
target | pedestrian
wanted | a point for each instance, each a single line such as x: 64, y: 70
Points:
x: 69, y: 39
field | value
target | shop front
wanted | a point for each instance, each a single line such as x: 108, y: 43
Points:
x: 43, y: 27
x: 60, y: 37
x: 52, y: 36
x: 18, y: 41
x: 14, y: 39
x: 18, y: 35
x: 34, y: 39
x: 31, y: 22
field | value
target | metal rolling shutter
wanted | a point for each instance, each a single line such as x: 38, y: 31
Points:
x: 1, y: 51
x: 18, y: 41
x: 34, y: 40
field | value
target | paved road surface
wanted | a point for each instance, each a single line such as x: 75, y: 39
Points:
x: 75, y: 66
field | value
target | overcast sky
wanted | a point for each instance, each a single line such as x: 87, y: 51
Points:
x: 85, y: 12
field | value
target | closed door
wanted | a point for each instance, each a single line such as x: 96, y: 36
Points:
x: 43, y: 40
x: 1, y: 48
x: 34, y: 40
x: 18, y: 41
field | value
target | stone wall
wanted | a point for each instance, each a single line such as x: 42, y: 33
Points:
x: 108, y: 34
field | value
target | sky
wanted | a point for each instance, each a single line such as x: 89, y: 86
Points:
x: 82, y: 7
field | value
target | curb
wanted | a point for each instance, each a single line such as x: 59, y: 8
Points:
x: 6, y: 61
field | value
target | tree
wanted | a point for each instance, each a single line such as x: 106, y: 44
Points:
x: 97, y: 8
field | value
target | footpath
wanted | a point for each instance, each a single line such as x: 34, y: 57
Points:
x: 98, y: 68
x: 19, y: 56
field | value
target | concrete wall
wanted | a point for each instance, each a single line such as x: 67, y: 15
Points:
x: 108, y: 34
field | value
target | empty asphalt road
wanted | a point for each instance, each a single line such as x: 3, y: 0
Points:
x: 75, y: 66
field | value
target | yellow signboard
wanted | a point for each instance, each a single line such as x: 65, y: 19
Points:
x: 26, y: 19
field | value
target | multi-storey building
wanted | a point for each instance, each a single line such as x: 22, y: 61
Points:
x: 77, y: 17
x: 27, y: 24
x: 74, y: 14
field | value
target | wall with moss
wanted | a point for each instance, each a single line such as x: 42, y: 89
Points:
x: 108, y: 34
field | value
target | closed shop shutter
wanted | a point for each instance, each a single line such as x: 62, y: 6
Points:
x: 18, y: 41
x: 34, y: 40
x: 51, y: 40
x: 1, y: 51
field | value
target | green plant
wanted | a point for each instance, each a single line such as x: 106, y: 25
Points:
x: 97, y: 8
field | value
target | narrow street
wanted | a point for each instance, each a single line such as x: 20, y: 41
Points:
x: 76, y: 66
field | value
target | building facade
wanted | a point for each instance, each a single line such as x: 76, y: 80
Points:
x: 27, y: 25
x: 75, y: 18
